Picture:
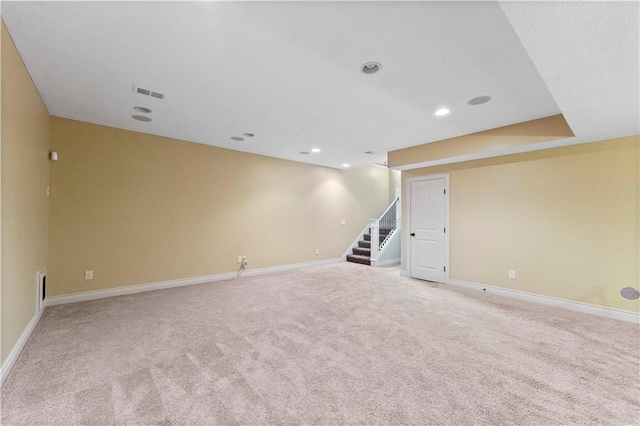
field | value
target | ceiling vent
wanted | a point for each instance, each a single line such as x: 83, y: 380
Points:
x: 479, y: 100
x: 147, y: 92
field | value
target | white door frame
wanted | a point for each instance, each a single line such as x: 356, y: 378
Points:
x: 407, y: 230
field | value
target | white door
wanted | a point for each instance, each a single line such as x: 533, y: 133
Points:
x: 427, y: 230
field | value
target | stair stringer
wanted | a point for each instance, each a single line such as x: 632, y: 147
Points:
x: 355, y: 242
x: 390, y: 251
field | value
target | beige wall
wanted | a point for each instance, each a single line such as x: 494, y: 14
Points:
x: 25, y: 177
x: 394, y: 179
x: 566, y: 220
x: 528, y: 132
x: 137, y: 208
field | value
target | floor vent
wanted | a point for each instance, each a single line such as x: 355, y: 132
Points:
x: 42, y: 288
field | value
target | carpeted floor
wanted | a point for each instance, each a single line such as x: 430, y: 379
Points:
x: 334, y: 344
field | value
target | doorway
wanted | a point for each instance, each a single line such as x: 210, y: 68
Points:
x: 428, y: 223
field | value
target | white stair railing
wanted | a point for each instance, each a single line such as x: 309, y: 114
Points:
x: 386, y: 226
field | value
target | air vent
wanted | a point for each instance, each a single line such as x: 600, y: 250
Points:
x: 479, y: 100
x: 143, y: 91
x: 147, y: 92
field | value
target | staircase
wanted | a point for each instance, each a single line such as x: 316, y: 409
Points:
x: 362, y: 253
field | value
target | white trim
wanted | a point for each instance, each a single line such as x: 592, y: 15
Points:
x: 586, y: 308
x: 404, y: 273
x: 407, y: 228
x: 8, y: 364
x: 122, y: 291
x: 385, y: 262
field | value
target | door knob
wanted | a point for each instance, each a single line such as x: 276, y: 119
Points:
x: 413, y: 234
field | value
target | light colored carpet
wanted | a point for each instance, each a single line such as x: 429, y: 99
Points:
x: 334, y: 344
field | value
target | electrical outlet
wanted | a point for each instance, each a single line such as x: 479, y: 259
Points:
x: 88, y: 275
x: 342, y: 222
x: 512, y: 274
x: 317, y: 251
x: 240, y: 258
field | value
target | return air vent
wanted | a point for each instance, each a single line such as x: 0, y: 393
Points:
x: 147, y: 92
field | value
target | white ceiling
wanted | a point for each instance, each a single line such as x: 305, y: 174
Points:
x: 289, y: 71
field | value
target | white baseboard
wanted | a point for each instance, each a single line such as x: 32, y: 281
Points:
x: 8, y: 364
x: 385, y: 262
x: 122, y: 291
x: 586, y: 308
x: 403, y: 273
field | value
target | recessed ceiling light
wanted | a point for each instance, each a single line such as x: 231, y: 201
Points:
x: 369, y: 152
x: 237, y: 138
x: 370, y: 67
x: 249, y: 135
x: 316, y: 150
x: 141, y: 118
x: 304, y: 152
x: 479, y: 100
x: 345, y: 165
x: 142, y: 109
x: 442, y: 111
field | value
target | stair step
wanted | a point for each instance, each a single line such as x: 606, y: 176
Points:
x: 381, y: 232
x: 364, y: 244
x: 362, y: 251
x: 355, y: 258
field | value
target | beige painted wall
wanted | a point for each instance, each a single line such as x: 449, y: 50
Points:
x: 2, y: 35
x: 137, y: 208
x: 394, y: 179
x: 25, y: 177
x: 525, y: 133
x: 565, y: 219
